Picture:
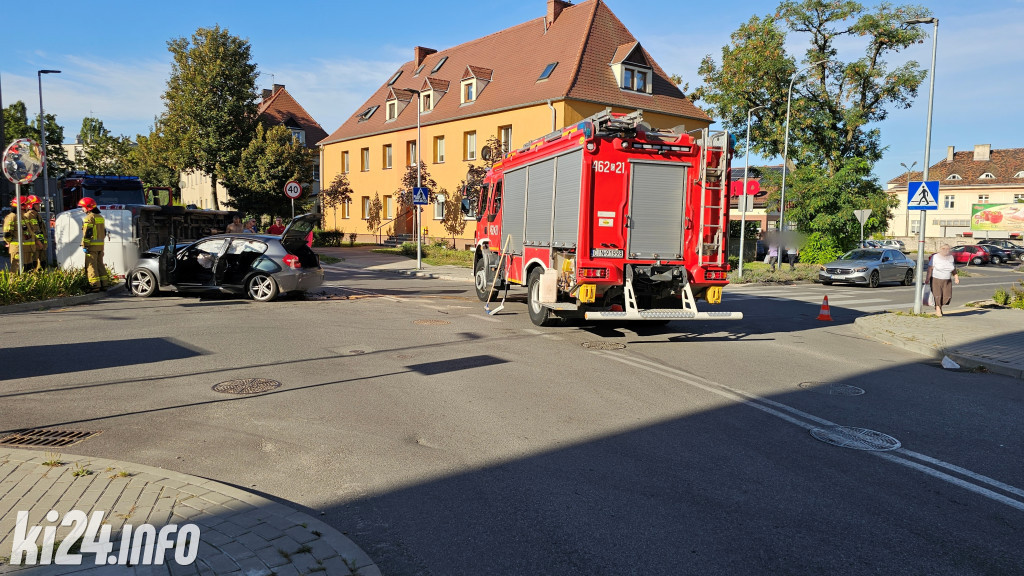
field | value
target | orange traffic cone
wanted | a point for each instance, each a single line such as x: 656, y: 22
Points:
x: 825, y: 313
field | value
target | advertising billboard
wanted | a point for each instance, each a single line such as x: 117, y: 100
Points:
x: 1003, y: 217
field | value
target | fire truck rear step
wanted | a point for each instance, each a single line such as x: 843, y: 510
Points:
x: 560, y: 306
x: 663, y: 314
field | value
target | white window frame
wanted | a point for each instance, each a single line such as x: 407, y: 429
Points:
x: 300, y: 135
x: 410, y: 150
x: 954, y: 177
x: 392, y: 110
x: 987, y: 176
x: 388, y: 154
x: 389, y: 207
x: 427, y: 101
x: 366, y: 208
x: 506, y: 143
x: 983, y: 199
x: 365, y: 160
x: 469, y: 83
x: 1019, y: 174
x: 948, y: 201
x: 469, y: 145
x: 439, y: 207
x: 1018, y: 198
x: 438, y: 149
x: 344, y: 162
x: 346, y: 209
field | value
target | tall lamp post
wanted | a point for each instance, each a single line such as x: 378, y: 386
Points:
x: 785, y: 148
x: 906, y: 226
x: 419, y: 184
x: 743, y: 196
x: 46, y: 163
x: 919, y: 281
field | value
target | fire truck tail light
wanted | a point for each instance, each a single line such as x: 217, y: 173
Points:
x: 591, y: 146
x: 292, y: 261
x: 593, y: 272
x: 714, y: 275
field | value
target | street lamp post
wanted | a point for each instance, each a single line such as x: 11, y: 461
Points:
x: 46, y: 163
x: 919, y: 280
x: 743, y: 196
x: 906, y: 223
x: 416, y: 208
x: 785, y: 149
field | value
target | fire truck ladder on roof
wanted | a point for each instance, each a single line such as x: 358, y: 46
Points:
x: 713, y: 197
x: 605, y: 122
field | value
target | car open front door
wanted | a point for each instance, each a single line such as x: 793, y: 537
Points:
x: 167, y: 263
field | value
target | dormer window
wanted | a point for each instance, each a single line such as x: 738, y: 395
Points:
x: 431, y: 92
x: 1019, y: 174
x: 426, y: 100
x: 299, y: 135
x: 632, y: 69
x: 954, y: 177
x: 392, y: 110
x: 987, y: 176
x: 468, y: 91
x: 396, y: 102
x: 474, y: 80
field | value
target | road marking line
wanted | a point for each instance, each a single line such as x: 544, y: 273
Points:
x: 769, y: 407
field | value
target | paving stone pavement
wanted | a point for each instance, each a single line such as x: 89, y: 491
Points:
x: 241, y: 534
x: 993, y: 338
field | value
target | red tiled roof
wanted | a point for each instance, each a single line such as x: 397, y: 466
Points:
x: 1003, y: 164
x: 281, y: 108
x: 478, y: 72
x: 623, y: 52
x: 436, y: 84
x: 583, y: 40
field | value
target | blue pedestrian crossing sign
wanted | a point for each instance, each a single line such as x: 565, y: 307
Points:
x: 923, y: 195
x: 419, y: 196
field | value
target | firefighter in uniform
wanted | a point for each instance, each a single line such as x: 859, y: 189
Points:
x: 93, y: 233
x: 15, y: 238
x: 36, y: 221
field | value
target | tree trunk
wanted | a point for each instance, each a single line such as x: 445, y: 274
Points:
x: 213, y: 191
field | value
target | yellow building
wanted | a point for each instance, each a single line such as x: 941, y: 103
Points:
x: 515, y: 85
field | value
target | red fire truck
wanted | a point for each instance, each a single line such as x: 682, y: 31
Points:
x: 608, y: 219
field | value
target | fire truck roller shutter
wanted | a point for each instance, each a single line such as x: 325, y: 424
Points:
x: 657, y: 201
x: 513, y: 208
x: 568, y: 172
x: 540, y: 189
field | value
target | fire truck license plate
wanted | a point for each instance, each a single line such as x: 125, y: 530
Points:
x: 606, y: 253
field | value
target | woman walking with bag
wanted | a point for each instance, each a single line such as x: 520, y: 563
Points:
x: 942, y: 274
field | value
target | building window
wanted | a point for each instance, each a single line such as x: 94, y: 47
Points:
x: 365, y: 165
x: 468, y: 91
x: 365, y: 114
x: 469, y: 145
x: 345, y: 208
x: 439, y: 207
x: 949, y: 200
x: 418, y: 70
x: 438, y: 66
x: 344, y: 162
x: 505, y: 135
x: 387, y: 156
x: 954, y: 177
x: 547, y: 71
x: 410, y: 153
x: 627, y: 78
x: 1018, y: 197
x: 392, y: 110
x: 982, y: 198
x: 439, y: 150
x: 299, y: 135
x: 636, y: 79
x: 987, y: 176
x: 1019, y: 174
x: 365, y: 208
x: 389, y: 207
x: 394, y: 78
x: 425, y: 100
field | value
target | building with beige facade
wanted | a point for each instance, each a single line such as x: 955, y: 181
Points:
x: 516, y: 85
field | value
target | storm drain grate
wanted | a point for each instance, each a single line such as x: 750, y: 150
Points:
x: 431, y: 322
x: 832, y: 388
x: 603, y: 346
x: 247, y: 386
x: 856, y: 438
x: 46, y: 438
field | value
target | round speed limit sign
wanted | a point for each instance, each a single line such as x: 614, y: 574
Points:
x: 293, y: 190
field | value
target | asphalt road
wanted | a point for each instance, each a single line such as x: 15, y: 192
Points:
x: 446, y: 442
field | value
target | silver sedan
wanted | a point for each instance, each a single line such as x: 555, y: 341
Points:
x: 869, y: 266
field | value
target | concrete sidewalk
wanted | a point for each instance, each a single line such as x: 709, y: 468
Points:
x: 364, y: 258
x: 972, y: 337
x: 241, y: 534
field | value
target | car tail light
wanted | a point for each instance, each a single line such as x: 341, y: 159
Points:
x: 292, y: 261
x: 593, y: 272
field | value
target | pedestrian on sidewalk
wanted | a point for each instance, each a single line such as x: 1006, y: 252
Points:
x: 791, y: 254
x: 942, y: 274
x: 773, y: 255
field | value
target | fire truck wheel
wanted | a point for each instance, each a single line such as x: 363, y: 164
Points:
x: 539, y: 315
x: 480, y: 278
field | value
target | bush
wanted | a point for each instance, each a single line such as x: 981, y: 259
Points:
x: 408, y: 249
x: 820, y: 249
x: 1018, y: 296
x: 352, y: 239
x: 1002, y: 297
x: 41, y: 285
x: 332, y: 238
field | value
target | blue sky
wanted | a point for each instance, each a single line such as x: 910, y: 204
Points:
x: 332, y: 55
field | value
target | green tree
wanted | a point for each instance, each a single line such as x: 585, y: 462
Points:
x: 18, y: 125
x: 152, y: 160
x: 102, y: 152
x: 211, y: 102
x: 832, y: 143
x: 271, y: 160
x: 373, y: 215
x: 338, y: 193
x: 453, y: 222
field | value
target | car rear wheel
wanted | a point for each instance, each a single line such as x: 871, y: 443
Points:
x: 908, y: 279
x: 142, y: 283
x: 977, y: 261
x: 873, y: 280
x: 261, y: 288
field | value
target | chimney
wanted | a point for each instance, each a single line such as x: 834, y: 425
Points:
x: 950, y: 150
x: 267, y: 93
x: 278, y: 87
x: 419, y: 53
x: 555, y: 8
x: 982, y: 152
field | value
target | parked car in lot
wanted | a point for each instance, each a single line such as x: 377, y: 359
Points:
x: 869, y: 266
x: 970, y: 254
x: 996, y: 254
x: 897, y: 244
x: 871, y: 244
x: 261, y: 266
x: 1014, y: 249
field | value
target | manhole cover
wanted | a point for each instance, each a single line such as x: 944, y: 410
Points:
x: 603, y: 345
x: 832, y: 388
x: 246, y: 386
x: 431, y: 322
x: 856, y: 438
x: 46, y: 438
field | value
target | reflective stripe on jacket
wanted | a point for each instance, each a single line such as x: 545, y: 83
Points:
x: 93, y: 230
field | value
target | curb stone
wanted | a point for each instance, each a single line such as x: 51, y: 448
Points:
x: 61, y: 302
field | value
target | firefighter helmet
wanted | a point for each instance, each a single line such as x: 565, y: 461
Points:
x: 87, y: 203
x: 32, y: 200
